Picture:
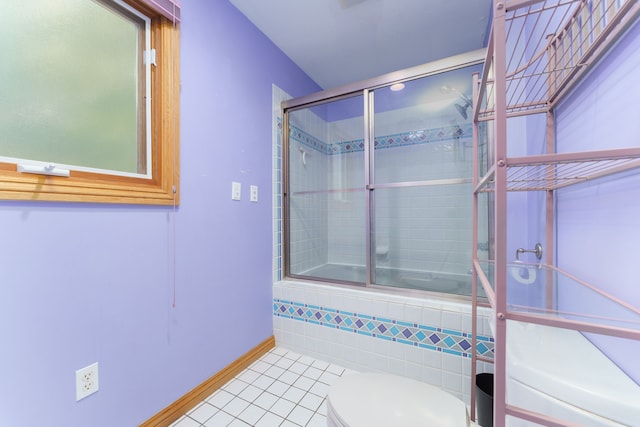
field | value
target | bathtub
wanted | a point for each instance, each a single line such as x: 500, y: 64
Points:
x: 558, y: 372
x: 459, y: 284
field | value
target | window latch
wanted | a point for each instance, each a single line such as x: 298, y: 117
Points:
x: 150, y: 57
x: 47, y: 169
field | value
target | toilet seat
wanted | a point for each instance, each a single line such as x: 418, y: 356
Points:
x: 382, y: 400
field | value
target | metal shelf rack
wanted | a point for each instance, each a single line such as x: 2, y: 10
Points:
x: 539, y: 51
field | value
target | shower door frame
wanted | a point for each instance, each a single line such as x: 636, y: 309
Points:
x: 366, y: 89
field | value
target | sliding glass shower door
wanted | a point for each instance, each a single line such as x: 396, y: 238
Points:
x: 421, y: 182
x: 378, y: 184
x: 327, y: 233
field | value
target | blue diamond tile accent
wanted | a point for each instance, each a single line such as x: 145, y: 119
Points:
x: 424, y: 336
x: 481, y: 348
x: 449, y: 341
x: 464, y: 344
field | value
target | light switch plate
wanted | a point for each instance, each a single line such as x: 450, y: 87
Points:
x: 253, y: 194
x: 236, y: 190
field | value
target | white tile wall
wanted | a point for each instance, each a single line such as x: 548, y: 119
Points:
x: 427, y: 228
x: 277, y: 95
x: 363, y: 353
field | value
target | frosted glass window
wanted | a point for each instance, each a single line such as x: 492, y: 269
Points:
x: 73, y: 85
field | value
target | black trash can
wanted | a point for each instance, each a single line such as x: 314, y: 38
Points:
x: 484, y: 399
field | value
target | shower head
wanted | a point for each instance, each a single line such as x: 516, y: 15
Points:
x: 462, y: 109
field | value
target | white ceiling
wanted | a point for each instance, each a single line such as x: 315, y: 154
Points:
x: 337, y: 42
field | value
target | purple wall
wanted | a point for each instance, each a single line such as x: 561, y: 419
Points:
x: 599, y: 222
x: 86, y: 283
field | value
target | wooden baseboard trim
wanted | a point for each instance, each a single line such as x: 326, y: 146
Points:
x: 189, y: 401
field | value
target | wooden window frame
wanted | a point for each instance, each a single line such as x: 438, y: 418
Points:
x: 163, y: 187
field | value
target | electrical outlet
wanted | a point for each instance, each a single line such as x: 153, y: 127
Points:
x: 86, y: 381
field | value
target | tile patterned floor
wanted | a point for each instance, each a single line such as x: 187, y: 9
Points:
x: 281, y: 389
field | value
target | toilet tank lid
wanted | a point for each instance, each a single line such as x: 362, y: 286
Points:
x: 374, y: 400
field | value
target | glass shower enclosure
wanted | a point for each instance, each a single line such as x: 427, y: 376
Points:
x: 377, y: 180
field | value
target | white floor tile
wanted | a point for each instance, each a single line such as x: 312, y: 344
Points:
x: 280, y: 351
x: 284, y: 363
x: 289, y: 377
x: 306, y: 360
x: 235, y: 387
x: 203, y: 412
x: 236, y: 406
x: 294, y: 394
x: 270, y: 420
x: 282, y: 407
x: 263, y: 382
x: 300, y: 415
x: 221, y: 419
x: 322, y: 410
x: 252, y: 414
x: 311, y: 401
x: 320, y: 364
x: 335, y: 369
x: 250, y: 393
x: 271, y: 358
x: 186, y: 422
x: 317, y: 421
x: 248, y: 376
x: 220, y: 398
x: 292, y: 355
x: 313, y: 373
x: 282, y: 389
x: 298, y: 367
x: 304, y: 383
x: 278, y: 388
x: 328, y: 378
x: 274, y: 372
x: 259, y: 366
x: 320, y: 389
x: 266, y: 400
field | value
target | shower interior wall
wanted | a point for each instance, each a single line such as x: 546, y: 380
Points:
x: 428, y: 229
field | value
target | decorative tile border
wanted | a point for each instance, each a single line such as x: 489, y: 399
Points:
x: 421, y: 136
x: 308, y: 140
x: 432, y: 338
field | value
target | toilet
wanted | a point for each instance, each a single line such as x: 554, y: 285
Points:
x: 383, y: 400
